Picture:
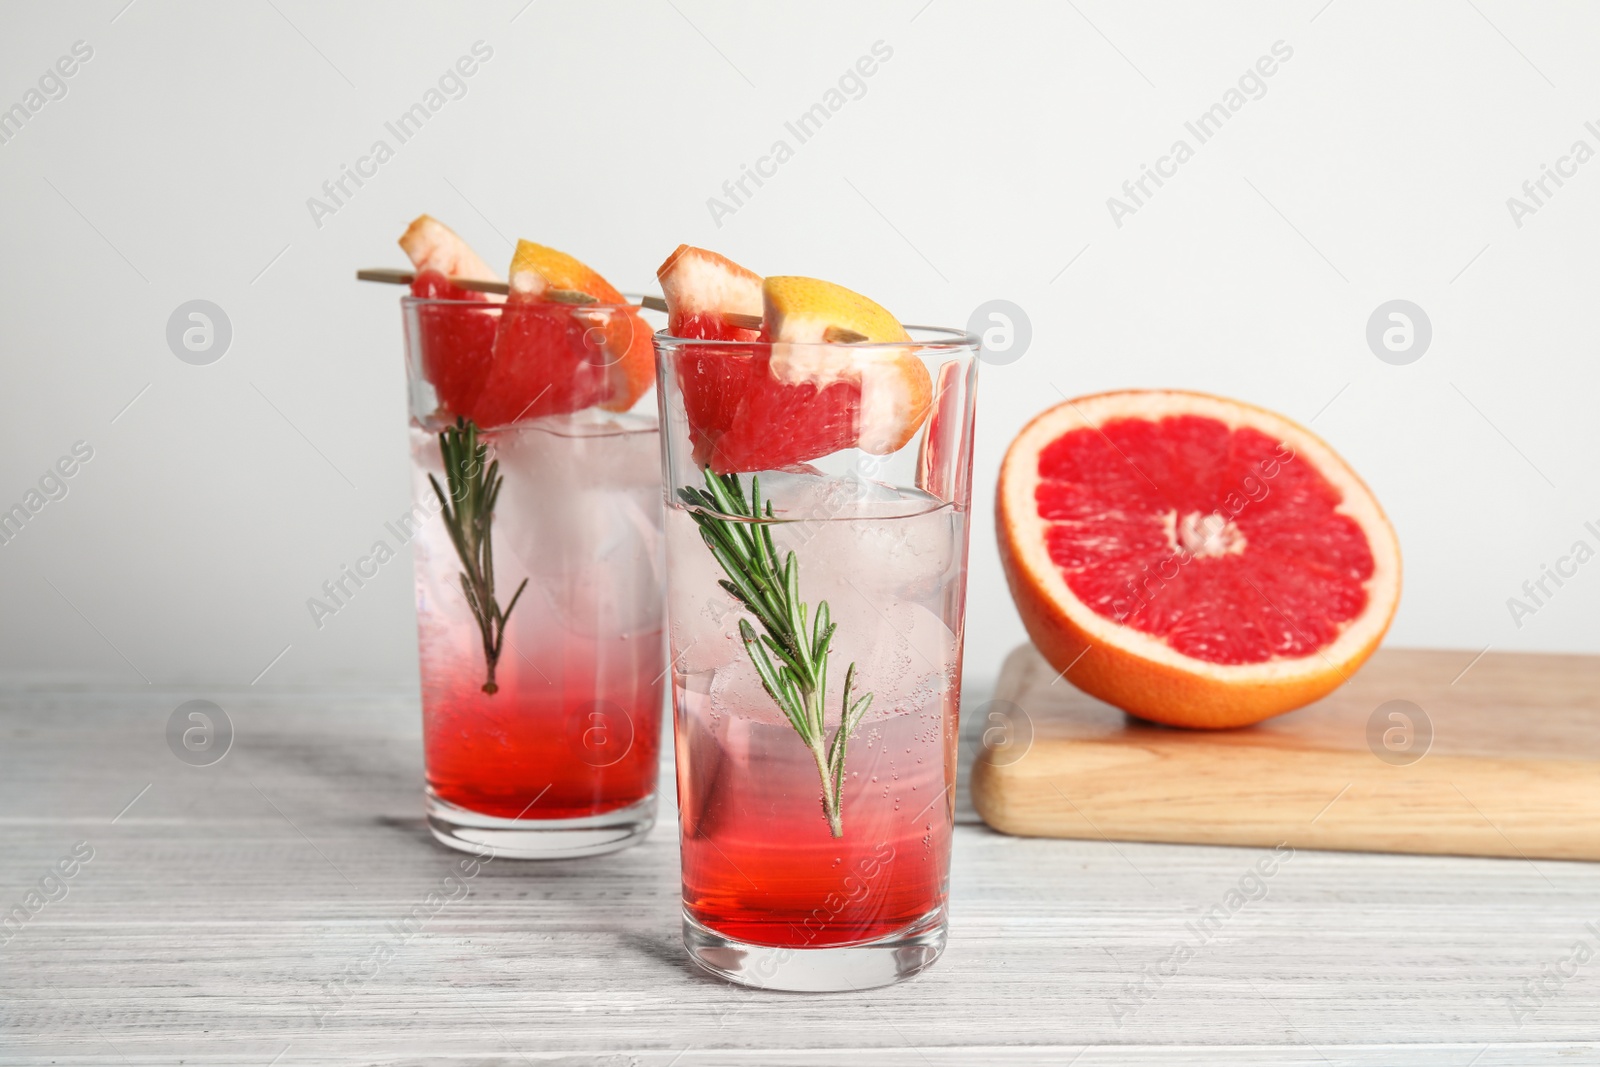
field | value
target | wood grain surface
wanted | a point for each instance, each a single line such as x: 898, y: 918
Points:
x: 255, y: 912
x: 1421, y: 751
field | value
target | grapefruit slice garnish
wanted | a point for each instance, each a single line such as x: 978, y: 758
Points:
x: 537, y: 269
x: 456, y: 341
x: 777, y: 405
x: 554, y: 356
x: 431, y: 245
x: 1193, y: 560
x: 890, y: 386
x: 701, y: 287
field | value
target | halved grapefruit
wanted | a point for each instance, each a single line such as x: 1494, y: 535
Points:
x: 1193, y: 560
x: 778, y: 405
x: 551, y: 357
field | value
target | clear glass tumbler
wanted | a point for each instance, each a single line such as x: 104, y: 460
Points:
x: 539, y: 574
x: 817, y: 506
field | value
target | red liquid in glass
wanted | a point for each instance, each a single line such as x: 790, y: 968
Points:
x: 759, y: 862
x: 574, y: 728
x: 583, y: 743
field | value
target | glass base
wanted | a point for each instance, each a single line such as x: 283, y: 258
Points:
x: 833, y: 969
x: 539, y: 839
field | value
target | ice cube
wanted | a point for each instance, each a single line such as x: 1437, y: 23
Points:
x: 909, y: 557
x: 907, y: 662
x: 705, y: 619
x: 582, y: 513
x: 904, y: 658
x: 880, y: 557
x: 737, y: 693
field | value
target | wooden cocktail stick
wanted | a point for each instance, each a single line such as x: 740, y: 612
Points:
x: 406, y: 277
x: 562, y: 296
x: 569, y: 296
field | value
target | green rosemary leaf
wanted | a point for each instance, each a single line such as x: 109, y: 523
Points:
x: 822, y: 694
x: 718, y: 533
x: 849, y: 718
x: 723, y: 493
x: 472, y: 599
x: 444, y: 501
x: 451, y: 519
x: 785, y: 655
x: 766, y: 539
x: 820, y: 648
x: 772, y: 680
x: 858, y: 711
x: 791, y: 588
x: 487, y: 556
x: 504, y: 615
x: 746, y: 593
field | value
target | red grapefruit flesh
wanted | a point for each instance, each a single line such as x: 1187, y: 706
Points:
x: 456, y: 341
x: 767, y: 407
x: 1193, y: 560
x: 701, y: 287
x: 539, y: 366
x: 769, y: 426
x: 552, y: 357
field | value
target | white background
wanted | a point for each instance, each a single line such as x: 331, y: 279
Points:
x: 976, y: 166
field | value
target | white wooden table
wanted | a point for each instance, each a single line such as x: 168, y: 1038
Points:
x: 226, y: 906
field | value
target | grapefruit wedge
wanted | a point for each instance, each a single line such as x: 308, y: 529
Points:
x: 777, y: 405
x: 1193, y: 560
x: 431, y: 245
x: 457, y: 340
x: 878, y: 394
x: 701, y: 287
x: 553, y: 356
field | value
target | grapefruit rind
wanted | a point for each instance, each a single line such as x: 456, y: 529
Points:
x: 1141, y: 673
x: 800, y: 315
x: 536, y: 269
x: 802, y: 310
x: 700, y: 287
x: 629, y: 344
x: 431, y: 245
x: 554, y: 358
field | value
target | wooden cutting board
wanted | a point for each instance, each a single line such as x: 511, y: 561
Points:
x: 1422, y: 751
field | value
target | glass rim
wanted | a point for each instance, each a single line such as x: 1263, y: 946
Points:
x: 947, y: 338
x: 407, y: 300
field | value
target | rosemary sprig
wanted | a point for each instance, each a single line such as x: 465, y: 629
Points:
x: 474, y: 488
x: 791, y: 659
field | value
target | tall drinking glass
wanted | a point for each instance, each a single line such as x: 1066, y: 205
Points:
x: 539, y: 574
x: 817, y: 506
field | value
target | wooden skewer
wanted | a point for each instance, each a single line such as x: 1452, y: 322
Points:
x: 563, y: 296
x: 405, y: 277
x: 389, y: 276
